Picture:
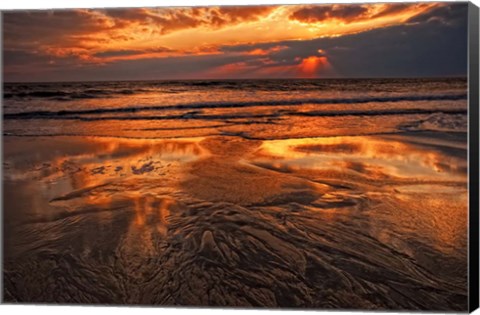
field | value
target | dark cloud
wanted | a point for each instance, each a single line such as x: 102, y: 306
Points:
x: 253, y: 49
x: 177, y: 20
x: 392, y: 8
x: 237, y: 14
x: 116, y: 53
x: 23, y: 65
x: 428, y: 48
x: 355, y: 12
x: 449, y: 14
x: 172, y: 19
x: 15, y: 58
x: 29, y: 28
x: 215, y: 17
x: 313, y: 14
x: 130, y: 14
x: 122, y: 53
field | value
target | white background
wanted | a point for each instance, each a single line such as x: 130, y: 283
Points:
x: 93, y: 310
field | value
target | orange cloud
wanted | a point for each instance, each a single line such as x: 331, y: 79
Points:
x: 264, y: 52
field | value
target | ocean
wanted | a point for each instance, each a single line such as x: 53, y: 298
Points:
x: 261, y: 109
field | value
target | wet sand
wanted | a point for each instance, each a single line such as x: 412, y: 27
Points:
x: 368, y: 222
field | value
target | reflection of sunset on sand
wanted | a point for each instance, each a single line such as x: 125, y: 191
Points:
x: 375, y: 156
x: 372, y: 201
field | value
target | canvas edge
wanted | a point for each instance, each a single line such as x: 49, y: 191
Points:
x: 473, y: 151
x: 1, y: 155
x: 473, y: 96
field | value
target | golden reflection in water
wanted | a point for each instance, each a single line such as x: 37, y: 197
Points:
x: 150, y: 207
x: 373, y: 156
x: 114, y: 173
x: 114, y: 159
x: 151, y: 215
x: 420, y: 190
x: 123, y: 174
x: 106, y: 173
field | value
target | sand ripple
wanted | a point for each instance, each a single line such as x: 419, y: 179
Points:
x: 228, y: 223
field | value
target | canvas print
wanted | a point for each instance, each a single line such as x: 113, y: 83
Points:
x: 306, y: 156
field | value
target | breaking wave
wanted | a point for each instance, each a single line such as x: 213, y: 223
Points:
x: 76, y: 114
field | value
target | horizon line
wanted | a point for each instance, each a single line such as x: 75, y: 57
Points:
x: 246, y: 79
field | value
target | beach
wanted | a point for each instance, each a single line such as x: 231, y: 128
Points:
x: 347, y: 194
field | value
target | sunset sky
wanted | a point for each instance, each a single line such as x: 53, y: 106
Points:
x: 294, y: 41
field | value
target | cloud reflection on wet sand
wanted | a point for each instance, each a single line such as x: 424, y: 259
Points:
x: 349, y: 222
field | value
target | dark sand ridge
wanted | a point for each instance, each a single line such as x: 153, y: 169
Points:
x: 223, y: 228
